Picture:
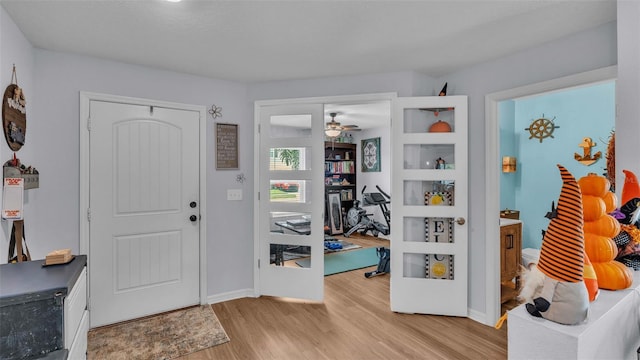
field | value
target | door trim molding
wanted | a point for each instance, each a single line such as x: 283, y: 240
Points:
x: 85, y: 99
x: 360, y: 98
x: 492, y: 169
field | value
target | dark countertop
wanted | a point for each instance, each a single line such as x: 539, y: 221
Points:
x: 30, y: 281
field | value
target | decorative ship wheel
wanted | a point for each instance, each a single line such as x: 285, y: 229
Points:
x: 542, y: 128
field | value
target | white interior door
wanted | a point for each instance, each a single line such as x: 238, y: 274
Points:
x: 429, y: 260
x: 144, y: 210
x: 290, y: 210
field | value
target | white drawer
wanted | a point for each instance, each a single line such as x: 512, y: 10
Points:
x: 74, y: 306
x: 78, y: 349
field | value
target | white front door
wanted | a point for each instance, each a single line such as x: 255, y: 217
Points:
x: 144, y: 210
x: 290, y: 211
x: 429, y: 260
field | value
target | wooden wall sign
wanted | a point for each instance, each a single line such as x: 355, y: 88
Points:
x: 14, y: 114
x: 226, y: 146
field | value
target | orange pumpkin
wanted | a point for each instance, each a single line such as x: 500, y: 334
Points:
x: 613, y: 275
x: 605, y: 226
x: 610, y: 201
x: 440, y: 126
x: 595, y: 185
x: 599, y: 248
x: 593, y: 207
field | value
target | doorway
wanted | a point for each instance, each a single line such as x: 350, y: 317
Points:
x: 143, y: 188
x: 494, y: 170
x: 431, y: 257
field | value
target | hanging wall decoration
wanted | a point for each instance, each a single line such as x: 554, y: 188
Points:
x: 586, y: 158
x: 215, y: 111
x: 14, y: 114
x: 542, y: 128
x: 371, y: 155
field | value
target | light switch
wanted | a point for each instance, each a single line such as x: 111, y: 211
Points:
x: 234, y: 194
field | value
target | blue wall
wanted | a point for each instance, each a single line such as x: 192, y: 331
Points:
x: 579, y: 113
x: 508, y: 147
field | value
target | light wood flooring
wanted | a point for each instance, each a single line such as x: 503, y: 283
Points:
x: 354, y: 322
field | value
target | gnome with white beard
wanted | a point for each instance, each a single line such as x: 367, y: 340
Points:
x: 563, y: 296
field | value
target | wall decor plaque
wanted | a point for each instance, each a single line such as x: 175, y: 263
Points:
x: 226, y: 146
x: 14, y: 114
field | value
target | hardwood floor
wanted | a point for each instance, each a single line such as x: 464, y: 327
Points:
x: 354, y: 322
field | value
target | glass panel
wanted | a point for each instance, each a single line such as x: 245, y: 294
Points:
x: 425, y: 156
x: 429, y: 120
x: 427, y: 192
x: 290, y: 223
x: 287, y: 159
x: 296, y: 191
x: 290, y: 126
x: 286, y: 254
x: 428, y: 266
x: 418, y: 229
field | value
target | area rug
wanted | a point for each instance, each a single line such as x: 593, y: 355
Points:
x: 164, y: 336
x: 335, y: 263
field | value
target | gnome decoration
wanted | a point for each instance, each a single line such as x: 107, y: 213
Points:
x: 563, y: 297
x: 628, y: 240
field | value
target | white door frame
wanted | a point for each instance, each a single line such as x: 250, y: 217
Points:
x: 345, y: 99
x: 85, y: 99
x: 493, y: 166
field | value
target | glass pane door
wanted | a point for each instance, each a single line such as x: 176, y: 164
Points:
x: 291, y: 187
x: 429, y: 237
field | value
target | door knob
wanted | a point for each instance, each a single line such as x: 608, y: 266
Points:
x: 193, y: 204
x: 460, y: 221
x: 193, y: 218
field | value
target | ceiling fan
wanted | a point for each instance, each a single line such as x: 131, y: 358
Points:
x: 333, y: 128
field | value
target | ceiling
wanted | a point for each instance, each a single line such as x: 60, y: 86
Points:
x: 259, y: 41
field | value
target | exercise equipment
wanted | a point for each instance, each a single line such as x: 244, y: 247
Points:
x: 359, y: 220
x: 384, y: 265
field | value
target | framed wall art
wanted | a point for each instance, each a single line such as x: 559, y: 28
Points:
x: 226, y: 146
x: 335, y: 213
x: 371, y: 155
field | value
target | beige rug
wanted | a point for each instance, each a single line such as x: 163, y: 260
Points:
x: 164, y: 336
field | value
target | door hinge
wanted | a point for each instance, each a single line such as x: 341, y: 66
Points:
x: 258, y: 195
x: 258, y: 263
x: 89, y: 123
x: 89, y: 214
x: 258, y: 128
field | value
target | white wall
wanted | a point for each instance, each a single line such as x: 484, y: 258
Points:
x: 628, y: 90
x: 588, y: 50
x: 60, y: 78
x: 53, y: 128
x: 371, y: 179
x: 15, y: 49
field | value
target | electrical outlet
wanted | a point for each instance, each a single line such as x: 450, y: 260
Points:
x: 234, y: 194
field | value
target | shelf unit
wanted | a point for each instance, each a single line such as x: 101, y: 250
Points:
x: 340, y: 172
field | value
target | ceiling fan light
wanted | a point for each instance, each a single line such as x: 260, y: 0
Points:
x: 332, y: 132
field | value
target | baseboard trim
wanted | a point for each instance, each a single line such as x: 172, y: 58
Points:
x: 478, y: 316
x: 231, y: 295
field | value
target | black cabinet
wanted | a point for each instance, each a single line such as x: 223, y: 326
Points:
x: 33, y: 300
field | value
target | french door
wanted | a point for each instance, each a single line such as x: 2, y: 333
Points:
x: 429, y: 234
x: 290, y: 211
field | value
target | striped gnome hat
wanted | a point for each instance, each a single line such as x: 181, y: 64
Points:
x: 562, y: 253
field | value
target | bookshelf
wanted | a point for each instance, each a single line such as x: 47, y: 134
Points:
x: 340, y: 172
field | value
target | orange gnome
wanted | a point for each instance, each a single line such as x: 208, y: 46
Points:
x: 599, y: 231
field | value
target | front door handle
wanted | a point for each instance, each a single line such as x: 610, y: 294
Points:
x: 193, y: 218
